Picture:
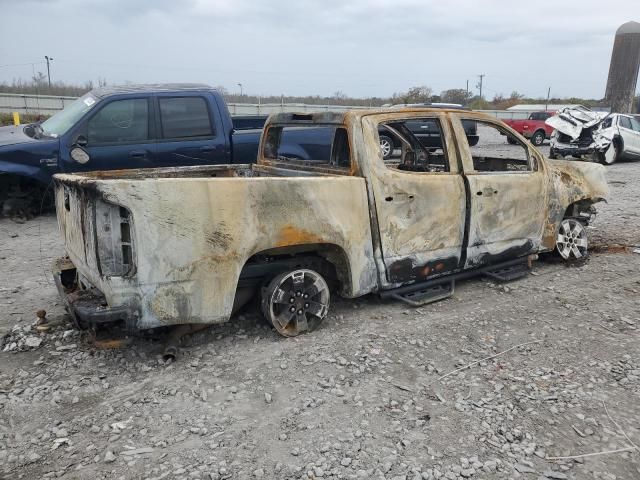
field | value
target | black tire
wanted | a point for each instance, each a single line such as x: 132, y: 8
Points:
x: 511, y: 140
x: 538, y: 138
x: 386, y: 146
x: 612, y: 155
x: 553, y: 154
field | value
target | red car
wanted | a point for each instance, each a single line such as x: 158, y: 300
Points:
x: 532, y: 128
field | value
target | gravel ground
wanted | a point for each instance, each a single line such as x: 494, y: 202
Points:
x: 362, y: 397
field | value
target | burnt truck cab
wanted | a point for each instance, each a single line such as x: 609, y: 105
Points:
x: 190, y: 245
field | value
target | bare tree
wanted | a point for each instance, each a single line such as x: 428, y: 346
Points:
x: 456, y: 95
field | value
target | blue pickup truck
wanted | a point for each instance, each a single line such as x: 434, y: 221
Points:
x: 125, y: 127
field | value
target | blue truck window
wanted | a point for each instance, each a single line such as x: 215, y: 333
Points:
x: 121, y: 121
x: 185, y: 117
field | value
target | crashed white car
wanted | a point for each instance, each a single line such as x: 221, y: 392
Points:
x: 581, y: 132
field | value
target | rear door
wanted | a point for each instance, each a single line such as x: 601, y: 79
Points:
x: 419, y: 198
x: 190, y: 131
x: 507, y: 194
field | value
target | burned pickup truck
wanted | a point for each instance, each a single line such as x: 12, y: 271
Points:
x: 191, y: 245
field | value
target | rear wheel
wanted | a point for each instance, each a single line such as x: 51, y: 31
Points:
x: 296, y: 301
x: 538, y: 138
x: 511, y: 140
x: 572, y: 242
x: 386, y: 145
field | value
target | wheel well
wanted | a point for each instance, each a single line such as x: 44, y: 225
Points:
x: 582, y: 210
x: 329, y: 260
x: 24, y: 194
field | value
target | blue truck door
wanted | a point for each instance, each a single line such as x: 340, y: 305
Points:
x: 119, y: 134
x: 190, y: 130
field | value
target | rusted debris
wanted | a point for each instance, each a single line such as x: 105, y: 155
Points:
x: 172, y: 344
x: 613, y: 248
x: 42, y: 324
x: 111, y: 343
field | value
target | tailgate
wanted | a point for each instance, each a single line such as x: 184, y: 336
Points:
x: 74, y: 209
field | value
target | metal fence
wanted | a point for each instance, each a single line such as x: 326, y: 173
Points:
x: 49, y: 104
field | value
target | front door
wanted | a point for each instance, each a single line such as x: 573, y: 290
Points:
x: 419, y: 199
x: 507, y: 194
x: 118, y: 135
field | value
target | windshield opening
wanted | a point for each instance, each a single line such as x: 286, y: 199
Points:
x: 63, y: 120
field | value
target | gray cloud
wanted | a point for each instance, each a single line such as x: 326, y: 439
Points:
x: 362, y: 47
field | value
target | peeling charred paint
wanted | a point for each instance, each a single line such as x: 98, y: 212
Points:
x: 404, y: 271
x: 290, y: 235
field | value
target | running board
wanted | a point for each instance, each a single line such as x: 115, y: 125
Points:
x: 510, y: 273
x: 429, y: 291
x: 427, y: 295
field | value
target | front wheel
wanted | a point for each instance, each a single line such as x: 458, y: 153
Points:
x: 538, y: 138
x: 611, y: 155
x: 572, y: 242
x: 386, y: 146
x: 296, y: 302
x: 553, y: 154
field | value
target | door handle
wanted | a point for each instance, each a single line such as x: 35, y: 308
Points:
x: 138, y: 154
x: 399, y: 196
x: 487, y: 192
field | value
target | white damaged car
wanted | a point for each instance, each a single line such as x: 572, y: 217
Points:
x: 583, y: 133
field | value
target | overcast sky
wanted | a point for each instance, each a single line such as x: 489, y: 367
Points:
x: 361, y: 47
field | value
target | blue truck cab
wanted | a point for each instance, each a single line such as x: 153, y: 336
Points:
x: 135, y: 126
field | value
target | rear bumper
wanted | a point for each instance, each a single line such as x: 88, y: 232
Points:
x: 87, y: 307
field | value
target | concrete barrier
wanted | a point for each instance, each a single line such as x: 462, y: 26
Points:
x: 50, y: 104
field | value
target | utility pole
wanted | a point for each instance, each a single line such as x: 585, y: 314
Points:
x: 240, y: 85
x: 548, y: 96
x: 466, y: 98
x: 49, y: 59
x: 481, y: 76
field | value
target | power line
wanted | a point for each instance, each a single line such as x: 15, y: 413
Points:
x: 20, y: 64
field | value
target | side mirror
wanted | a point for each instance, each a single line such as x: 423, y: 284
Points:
x: 79, y: 155
x: 81, y: 141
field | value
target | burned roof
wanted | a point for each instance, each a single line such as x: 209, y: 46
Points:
x: 340, y: 118
x: 146, y: 88
x: 316, y: 117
